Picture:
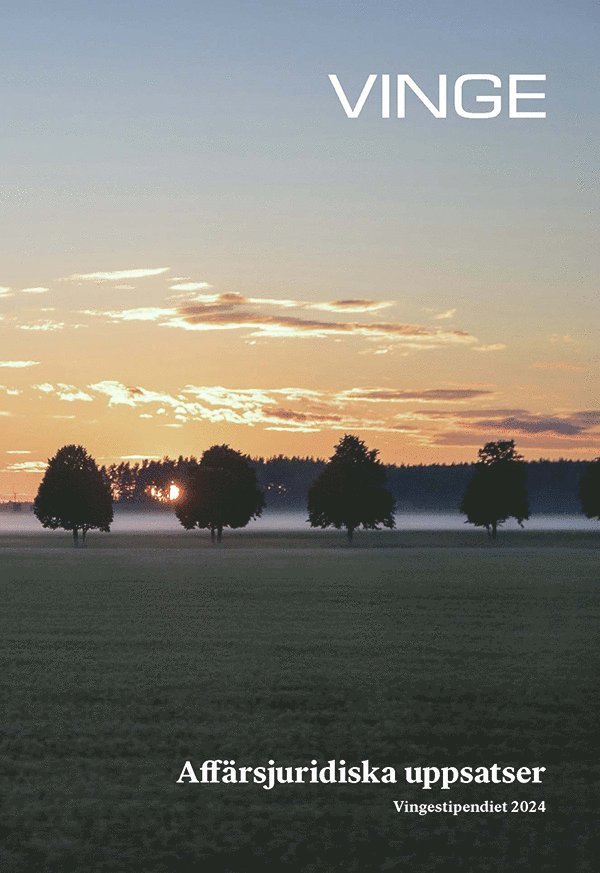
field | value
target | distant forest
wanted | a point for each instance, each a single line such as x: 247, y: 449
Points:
x: 553, y: 485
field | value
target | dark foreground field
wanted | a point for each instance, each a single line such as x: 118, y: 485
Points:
x: 121, y: 661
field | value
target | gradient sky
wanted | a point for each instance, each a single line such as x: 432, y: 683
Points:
x: 198, y: 246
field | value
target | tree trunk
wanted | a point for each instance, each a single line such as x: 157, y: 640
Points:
x: 212, y: 534
x: 83, y: 533
x: 220, y: 534
x: 494, y: 530
x: 75, y: 537
x: 350, y: 534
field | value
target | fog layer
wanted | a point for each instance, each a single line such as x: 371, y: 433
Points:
x: 145, y: 522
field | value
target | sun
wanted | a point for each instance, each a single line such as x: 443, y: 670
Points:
x: 174, y: 491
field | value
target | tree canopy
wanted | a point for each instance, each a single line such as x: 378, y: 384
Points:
x: 74, y: 494
x: 497, y: 490
x: 220, y: 492
x: 350, y: 492
x: 589, y: 490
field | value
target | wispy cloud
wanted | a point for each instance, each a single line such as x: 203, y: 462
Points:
x: 231, y: 299
x: 556, y: 365
x: 45, y: 326
x: 458, y: 419
x: 533, y: 424
x: 232, y: 311
x: 440, y: 315
x: 248, y: 406
x: 141, y: 313
x: 588, y: 417
x: 118, y: 275
x: 122, y: 395
x: 18, y: 365
x: 352, y: 305
x: 62, y: 391
x: 227, y: 316
x: 430, y: 395
x: 280, y: 302
x: 546, y: 442
x: 307, y: 410
x: 38, y: 289
x: 279, y: 327
x: 5, y: 291
x: 26, y: 467
x: 493, y: 347
x: 481, y: 423
x: 18, y: 452
x: 190, y: 286
x: 460, y: 412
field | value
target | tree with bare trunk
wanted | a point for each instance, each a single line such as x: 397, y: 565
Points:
x: 498, y: 488
x: 74, y: 494
x: 221, y: 492
x: 350, y: 492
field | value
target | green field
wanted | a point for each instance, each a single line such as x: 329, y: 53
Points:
x: 122, y: 660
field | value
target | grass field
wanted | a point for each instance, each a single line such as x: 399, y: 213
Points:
x: 121, y: 661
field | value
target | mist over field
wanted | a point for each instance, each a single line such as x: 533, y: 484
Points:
x: 133, y: 521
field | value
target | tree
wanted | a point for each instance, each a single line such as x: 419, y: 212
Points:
x: 221, y: 491
x: 350, y: 491
x: 498, y: 488
x: 74, y: 494
x: 589, y: 490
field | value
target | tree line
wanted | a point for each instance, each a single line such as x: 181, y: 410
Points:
x: 221, y: 490
x: 553, y: 486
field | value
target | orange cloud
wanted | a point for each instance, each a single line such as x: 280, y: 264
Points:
x: 195, y: 316
x: 392, y: 395
x: 233, y: 311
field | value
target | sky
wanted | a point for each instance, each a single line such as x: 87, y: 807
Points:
x: 198, y: 246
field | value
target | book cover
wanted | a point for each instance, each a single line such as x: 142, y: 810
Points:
x: 299, y: 436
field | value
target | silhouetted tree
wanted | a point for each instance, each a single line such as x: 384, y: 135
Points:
x: 221, y: 492
x: 74, y: 494
x: 350, y: 491
x: 498, y: 488
x: 589, y: 490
